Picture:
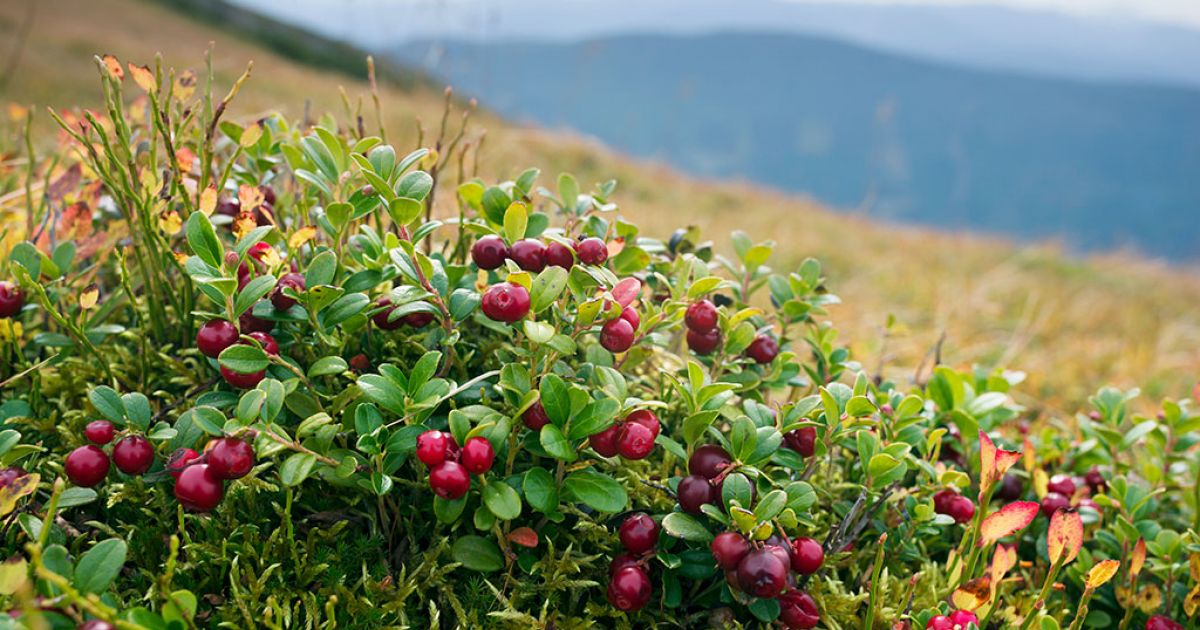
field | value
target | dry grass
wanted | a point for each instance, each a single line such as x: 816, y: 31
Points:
x: 1073, y: 325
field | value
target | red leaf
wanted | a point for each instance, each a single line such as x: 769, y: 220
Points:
x: 1007, y: 521
x: 524, y: 536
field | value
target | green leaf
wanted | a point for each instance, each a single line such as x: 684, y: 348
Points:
x: 516, y: 218
x: 687, y: 527
x: 254, y: 291
x: 540, y: 491
x: 137, y: 409
x: 101, y: 564
x: 547, y: 286
x: 108, y: 403
x: 556, y: 399
x: 598, y: 491
x: 296, y: 468
x: 415, y: 185
x: 404, y: 210
x: 321, y: 270
x: 770, y: 505
x: 244, y: 358
x: 477, y: 554
x: 383, y: 392
x: 74, y: 496
x: 203, y: 240
x: 344, y: 308
x: 556, y: 443
x: 327, y: 365
x: 502, y: 500
x: 462, y: 303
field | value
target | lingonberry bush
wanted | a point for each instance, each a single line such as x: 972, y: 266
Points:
x: 253, y: 376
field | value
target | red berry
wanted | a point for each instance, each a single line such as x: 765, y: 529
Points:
x: 1011, y: 488
x: 452, y: 450
x: 198, y: 489
x: 694, y: 491
x: 360, y: 362
x: 292, y: 281
x: 954, y: 505
x: 133, y: 455
x: 939, y: 622
x: 1095, y: 480
x: 622, y: 561
x: 616, y: 335
x: 646, y: 418
x: 244, y: 274
x: 592, y: 251
x: 11, y: 299
x: 1053, y: 502
x: 559, y: 255
x: 230, y: 458
x: 382, y: 318
x: 95, y: 624
x: 477, y: 455
x: 802, y: 440
x: 629, y: 589
x: 763, y: 349
x: 1062, y: 484
x: 505, y: 302
x: 229, y: 206
x: 635, y: 441
x: 86, y: 466
x: 180, y: 460
x: 701, y: 316
x: 99, y: 431
x: 807, y: 555
x: 762, y: 574
x: 268, y: 194
x: 798, y: 610
x: 432, y: 447
x: 535, y: 417
x: 241, y: 380
x: 963, y: 618
x: 449, y: 480
x: 268, y: 343
x: 259, y: 251
x: 605, y: 442
x: 630, y: 315
x: 941, y: 500
x: 216, y: 335
x: 704, y: 343
x: 489, y: 252
x: 1162, y: 622
x: 249, y: 323
x: 419, y: 319
x: 728, y: 549
x: 529, y: 255
x: 639, y: 533
x: 708, y: 461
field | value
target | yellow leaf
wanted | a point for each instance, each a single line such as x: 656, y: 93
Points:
x: 113, y: 65
x: 185, y: 85
x: 1007, y: 521
x: 208, y: 200
x: 1101, y: 573
x: 1137, y: 558
x: 301, y: 236
x: 522, y: 278
x: 250, y: 197
x: 10, y: 329
x: 993, y: 462
x: 144, y: 78
x: 17, y: 488
x: 1064, y: 538
x: 1003, y: 559
x: 13, y: 573
x: 250, y: 135
x: 1194, y: 565
x: 1030, y: 463
x: 973, y: 594
x: 180, y: 257
x: 1041, y: 481
x: 1192, y: 601
x: 243, y: 224
x: 17, y: 112
x: 169, y: 222
x: 89, y: 297
x: 1149, y: 599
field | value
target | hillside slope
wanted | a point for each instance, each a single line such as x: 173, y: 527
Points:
x: 1072, y: 325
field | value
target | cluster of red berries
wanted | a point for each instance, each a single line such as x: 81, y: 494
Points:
x: 957, y: 620
x: 762, y: 570
x: 11, y: 299
x: 703, y: 335
x: 218, y: 334
x: 949, y: 502
x: 88, y: 465
x: 706, y: 467
x: 629, y: 584
x: 449, y: 466
x: 533, y: 256
x: 631, y: 438
x: 1063, y: 491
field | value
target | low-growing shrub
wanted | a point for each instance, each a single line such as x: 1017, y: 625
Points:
x: 253, y: 377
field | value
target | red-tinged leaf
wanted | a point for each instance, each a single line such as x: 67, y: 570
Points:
x: 627, y: 291
x: 993, y: 462
x: 1137, y: 558
x: 973, y: 594
x: 113, y: 65
x: 1003, y: 559
x: 524, y: 536
x: 1007, y: 521
x: 1101, y: 573
x: 1064, y: 539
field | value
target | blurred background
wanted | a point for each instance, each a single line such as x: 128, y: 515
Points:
x: 1018, y: 177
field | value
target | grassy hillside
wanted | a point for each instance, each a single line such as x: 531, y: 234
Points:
x: 1072, y: 325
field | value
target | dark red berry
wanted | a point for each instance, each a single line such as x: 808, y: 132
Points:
x: 230, y: 458
x: 452, y: 450
x: 268, y: 194
x: 292, y: 281
x: 807, y: 555
x: 99, y: 431
x: 489, y: 252
x: 180, y: 460
x: 432, y: 447
x: 242, y: 380
x: 939, y: 622
x: 419, y: 319
x: 249, y: 323
x: 622, y: 561
x: 1162, y: 622
x: 559, y: 255
x: 1062, y: 484
x: 708, y: 461
x: 704, y: 343
x: 505, y: 302
x: 646, y: 418
x: 1053, y: 502
x: 639, y: 533
x: 798, y: 610
x: 1011, y: 488
x: 198, y: 489
x: 382, y: 319
x: 728, y: 549
x: 629, y: 589
x: 605, y: 442
x: 942, y: 499
x: 133, y: 455
x: 360, y: 362
x: 268, y: 343
x: 963, y: 618
x: 11, y: 299
x: 762, y: 573
x: 216, y: 335
x: 763, y: 349
x: 630, y: 315
x: 1095, y: 480
x: 701, y: 316
x: 592, y: 251
x: 954, y: 505
x: 802, y: 440
x: 616, y: 335
x: 635, y: 441
x: 229, y: 206
x: 535, y: 417
x: 694, y: 491
x: 86, y: 466
x: 449, y: 480
x: 529, y: 255
x: 477, y: 455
